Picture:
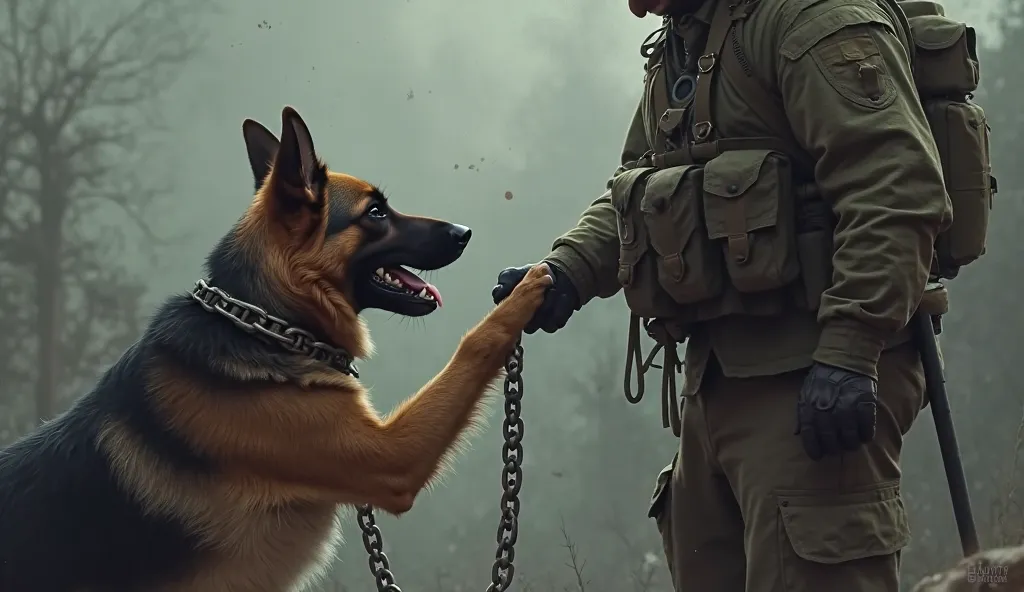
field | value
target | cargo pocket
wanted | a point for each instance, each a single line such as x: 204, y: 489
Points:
x: 748, y: 207
x: 946, y: 57
x: 961, y: 133
x: 661, y: 508
x: 689, y: 266
x: 637, y: 272
x: 832, y: 528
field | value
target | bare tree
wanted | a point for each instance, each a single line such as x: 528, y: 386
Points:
x: 78, y: 88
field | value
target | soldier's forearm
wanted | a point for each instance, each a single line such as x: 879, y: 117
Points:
x: 883, y: 253
x: 589, y: 252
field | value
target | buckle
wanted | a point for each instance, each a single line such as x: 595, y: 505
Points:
x: 706, y: 63
x: 702, y: 130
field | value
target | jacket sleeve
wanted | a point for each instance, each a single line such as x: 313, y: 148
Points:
x: 589, y: 252
x: 848, y: 91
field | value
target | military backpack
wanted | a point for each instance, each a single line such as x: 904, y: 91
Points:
x: 947, y: 73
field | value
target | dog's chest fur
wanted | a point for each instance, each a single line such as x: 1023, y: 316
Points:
x: 282, y: 550
x: 251, y: 538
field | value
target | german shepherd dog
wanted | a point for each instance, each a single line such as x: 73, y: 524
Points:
x: 215, y: 454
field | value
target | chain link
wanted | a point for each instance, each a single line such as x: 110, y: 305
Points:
x: 374, y: 543
x: 503, y: 570
x: 253, y: 319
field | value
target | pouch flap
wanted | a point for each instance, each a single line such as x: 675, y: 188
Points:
x: 731, y: 174
x: 622, y: 187
x: 933, y: 32
x: 731, y: 206
x: 835, y: 528
x: 913, y: 8
x: 661, y: 186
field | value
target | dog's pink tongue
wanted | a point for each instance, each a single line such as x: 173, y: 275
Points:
x: 414, y: 283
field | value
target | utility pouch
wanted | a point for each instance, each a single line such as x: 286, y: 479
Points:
x: 814, y: 232
x: 665, y: 260
x: 946, y: 57
x: 749, y: 211
x: 689, y: 267
x: 962, y: 136
x: 637, y: 273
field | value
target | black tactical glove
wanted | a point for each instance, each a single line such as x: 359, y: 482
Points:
x: 560, y: 301
x: 836, y: 410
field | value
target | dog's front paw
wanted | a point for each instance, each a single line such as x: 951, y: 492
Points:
x: 494, y: 338
x: 515, y: 312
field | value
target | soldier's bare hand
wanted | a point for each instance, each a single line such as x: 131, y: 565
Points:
x: 836, y: 411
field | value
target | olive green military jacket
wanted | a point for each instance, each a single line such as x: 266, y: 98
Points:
x: 875, y: 163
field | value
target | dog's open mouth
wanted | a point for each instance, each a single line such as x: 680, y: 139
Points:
x: 402, y: 281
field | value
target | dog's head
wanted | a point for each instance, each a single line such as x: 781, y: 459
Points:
x: 331, y: 244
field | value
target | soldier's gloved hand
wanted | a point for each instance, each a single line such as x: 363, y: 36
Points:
x: 836, y: 411
x: 560, y: 301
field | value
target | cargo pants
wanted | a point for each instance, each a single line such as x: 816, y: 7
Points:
x: 743, y: 509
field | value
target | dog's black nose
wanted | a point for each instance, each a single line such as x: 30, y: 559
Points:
x: 460, y: 234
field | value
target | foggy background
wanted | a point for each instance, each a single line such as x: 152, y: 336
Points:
x: 122, y: 162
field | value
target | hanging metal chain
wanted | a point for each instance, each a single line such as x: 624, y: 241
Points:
x: 503, y: 570
x: 511, y: 474
x: 374, y: 543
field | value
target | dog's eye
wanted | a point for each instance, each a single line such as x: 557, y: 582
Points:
x: 376, y: 212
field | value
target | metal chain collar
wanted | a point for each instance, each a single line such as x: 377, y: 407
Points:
x: 254, y: 320
x: 502, y: 571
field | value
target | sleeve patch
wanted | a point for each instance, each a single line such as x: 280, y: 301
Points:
x: 854, y: 67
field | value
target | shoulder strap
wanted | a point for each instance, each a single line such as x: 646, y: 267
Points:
x: 706, y: 143
x: 721, y: 23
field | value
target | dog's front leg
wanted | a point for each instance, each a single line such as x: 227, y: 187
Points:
x: 329, y: 441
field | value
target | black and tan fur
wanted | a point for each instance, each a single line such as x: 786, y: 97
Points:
x: 207, y: 459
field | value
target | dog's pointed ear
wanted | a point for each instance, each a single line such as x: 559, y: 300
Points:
x: 261, y: 144
x: 298, y: 171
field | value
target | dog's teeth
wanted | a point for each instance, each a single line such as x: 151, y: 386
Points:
x: 379, y: 272
x: 423, y: 293
x: 394, y: 282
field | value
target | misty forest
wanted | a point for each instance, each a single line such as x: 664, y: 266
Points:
x: 122, y: 163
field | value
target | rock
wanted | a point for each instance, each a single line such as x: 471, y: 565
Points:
x: 996, y: 570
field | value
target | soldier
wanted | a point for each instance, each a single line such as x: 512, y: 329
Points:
x: 778, y: 205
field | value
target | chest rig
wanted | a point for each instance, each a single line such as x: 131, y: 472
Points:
x: 678, y: 93
x: 700, y: 240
